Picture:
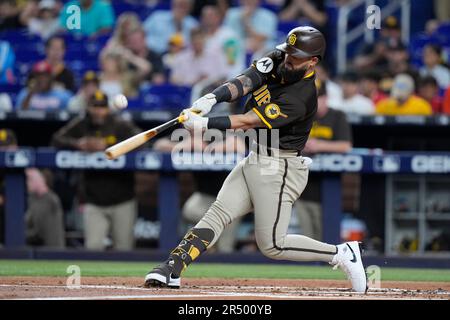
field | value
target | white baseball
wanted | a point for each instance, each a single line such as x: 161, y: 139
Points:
x: 120, y: 101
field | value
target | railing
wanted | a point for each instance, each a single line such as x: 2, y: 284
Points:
x: 14, y: 162
x: 346, y: 36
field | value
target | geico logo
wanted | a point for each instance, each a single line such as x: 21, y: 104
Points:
x: 198, y: 160
x: 337, y: 162
x: 432, y: 164
x: 79, y: 160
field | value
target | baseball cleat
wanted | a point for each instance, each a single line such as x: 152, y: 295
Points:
x: 348, y: 258
x: 161, y: 276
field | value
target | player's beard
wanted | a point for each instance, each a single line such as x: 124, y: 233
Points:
x: 291, y: 75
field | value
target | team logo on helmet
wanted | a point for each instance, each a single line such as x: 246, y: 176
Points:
x: 292, y: 39
x: 264, y: 65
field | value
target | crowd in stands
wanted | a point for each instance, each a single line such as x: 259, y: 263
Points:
x: 194, y: 44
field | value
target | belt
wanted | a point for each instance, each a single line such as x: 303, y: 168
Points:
x: 266, y: 151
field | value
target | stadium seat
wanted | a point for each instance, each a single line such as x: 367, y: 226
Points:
x: 165, y: 97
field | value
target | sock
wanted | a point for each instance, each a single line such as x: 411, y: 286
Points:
x: 194, y: 243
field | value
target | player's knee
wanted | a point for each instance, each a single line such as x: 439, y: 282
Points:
x: 268, y: 248
x: 218, y: 213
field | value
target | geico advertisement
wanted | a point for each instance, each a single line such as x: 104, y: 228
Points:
x: 430, y: 164
x: 337, y: 163
x: 80, y: 160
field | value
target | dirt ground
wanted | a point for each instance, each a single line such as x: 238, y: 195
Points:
x: 106, y: 288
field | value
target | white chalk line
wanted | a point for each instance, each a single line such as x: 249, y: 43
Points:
x: 395, y: 291
x: 210, y: 295
x: 323, y: 293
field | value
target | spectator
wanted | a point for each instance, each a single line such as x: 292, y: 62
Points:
x: 89, y: 85
x: 370, y: 86
x: 7, y: 60
x: 222, y: 6
x: 432, y: 59
x: 428, y: 89
x: 109, y: 196
x: 330, y: 133
x: 375, y: 55
x: 222, y: 39
x: 398, y: 61
x: 11, y: 17
x: 402, y: 100
x: 334, y: 91
x: 176, y: 45
x: 352, y: 101
x: 162, y: 24
x: 43, y: 18
x: 5, y: 103
x: 128, y: 42
x: 96, y: 17
x: 114, y: 76
x: 147, y: 63
x: 305, y: 12
x: 40, y: 93
x: 255, y: 26
x: 55, y: 50
x: 446, y: 102
x: 8, y: 141
x: 44, y: 216
x: 196, y: 63
x: 127, y: 22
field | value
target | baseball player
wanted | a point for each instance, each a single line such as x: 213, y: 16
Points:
x: 282, y: 97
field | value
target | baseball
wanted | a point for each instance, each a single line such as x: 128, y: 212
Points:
x: 120, y: 101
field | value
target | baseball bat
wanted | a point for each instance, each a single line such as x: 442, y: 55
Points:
x: 139, y: 139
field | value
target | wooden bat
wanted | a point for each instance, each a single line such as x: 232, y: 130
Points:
x: 137, y: 140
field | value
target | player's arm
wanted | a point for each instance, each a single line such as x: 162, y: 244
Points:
x: 240, y: 86
x: 245, y: 121
x: 231, y: 90
x: 251, y: 79
x: 236, y: 121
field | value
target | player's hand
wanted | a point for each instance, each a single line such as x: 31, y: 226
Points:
x: 204, y: 105
x: 193, y: 120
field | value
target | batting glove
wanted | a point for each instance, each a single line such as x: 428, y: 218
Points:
x: 193, y: 120
x: 204, y: 105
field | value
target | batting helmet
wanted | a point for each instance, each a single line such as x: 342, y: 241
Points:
x: 304, y: 42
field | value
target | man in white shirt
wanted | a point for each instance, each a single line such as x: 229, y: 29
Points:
x: 352, y: 101
x: 220, y: 38
x: 195, y: 64
x: 256, y: 26
x: 432, y: 58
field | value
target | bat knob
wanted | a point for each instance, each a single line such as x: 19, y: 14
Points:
x: 109, y: 154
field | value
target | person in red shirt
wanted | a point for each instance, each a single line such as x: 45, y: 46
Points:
x: 370, y: 86
x: 428, y: 89
x: 446, y: 102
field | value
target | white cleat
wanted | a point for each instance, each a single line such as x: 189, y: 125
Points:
x: 348, y: 258
x: 161, y: 276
